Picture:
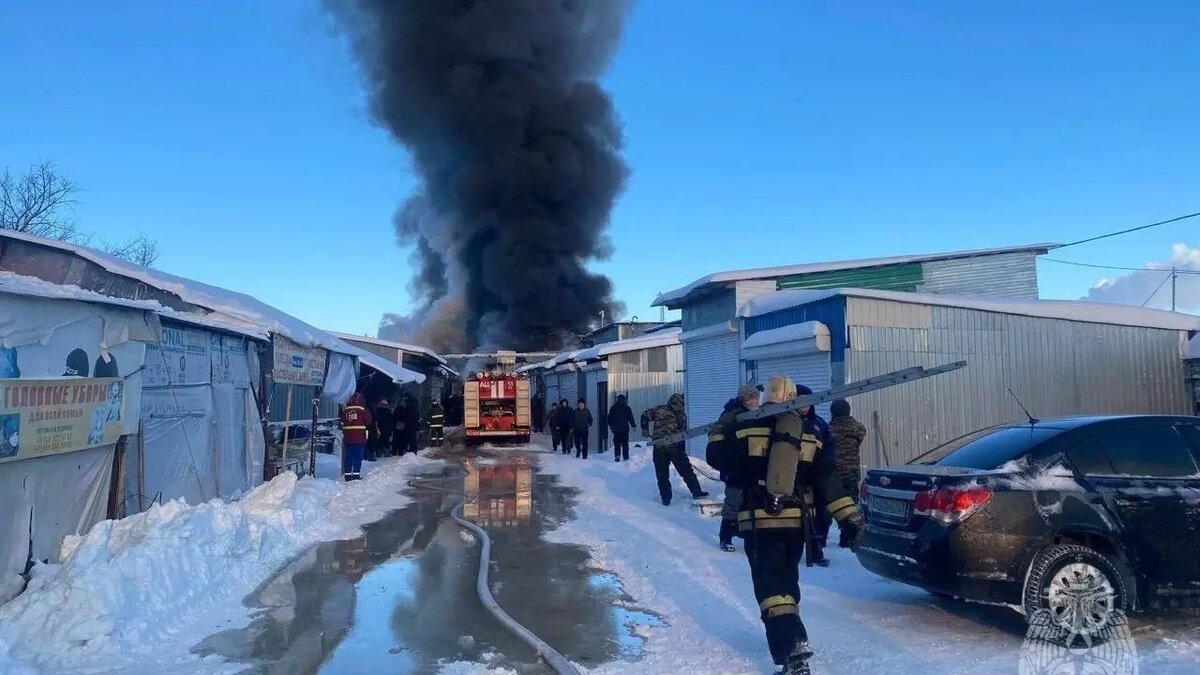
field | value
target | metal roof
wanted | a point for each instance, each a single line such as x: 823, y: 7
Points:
x: 1071, y: 310
x: 676, y: 297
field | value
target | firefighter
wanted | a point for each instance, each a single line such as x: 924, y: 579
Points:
x: 668, y: 419
x: 437, y: 422
x: 780, y: 474
x: 355, y: 420
x: 822, y: 521
x: 717, y: 454
x: 384, y: 426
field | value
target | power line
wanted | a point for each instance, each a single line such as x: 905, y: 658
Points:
x: 1116, y: 267
x: 1170, y: 275
x: 1132, y: 229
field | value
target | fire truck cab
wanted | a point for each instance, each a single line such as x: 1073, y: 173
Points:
x: 496, y: 405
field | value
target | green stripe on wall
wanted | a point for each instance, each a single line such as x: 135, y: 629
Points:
x: 905, y: 277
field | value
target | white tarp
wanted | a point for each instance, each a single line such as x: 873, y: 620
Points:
x: 342, y: 378
x: 63, y: 494
x: 201, y: 434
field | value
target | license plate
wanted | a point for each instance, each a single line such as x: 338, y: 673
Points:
x: 895, y: 508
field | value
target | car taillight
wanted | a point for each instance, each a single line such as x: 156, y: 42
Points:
x: 950, y: 505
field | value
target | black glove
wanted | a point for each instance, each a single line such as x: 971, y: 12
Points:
x: 851, y: 532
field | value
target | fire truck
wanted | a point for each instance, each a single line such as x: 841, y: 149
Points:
x: 496, y: 404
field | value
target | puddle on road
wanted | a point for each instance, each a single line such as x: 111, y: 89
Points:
x: 401, y: 598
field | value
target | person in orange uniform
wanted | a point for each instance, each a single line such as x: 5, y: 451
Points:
x: 355, y: 420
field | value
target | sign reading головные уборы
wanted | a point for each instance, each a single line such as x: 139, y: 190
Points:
x: 50, y: 417
x: 296, y: 364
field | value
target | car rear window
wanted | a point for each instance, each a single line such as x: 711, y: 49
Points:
x: 988, y: 448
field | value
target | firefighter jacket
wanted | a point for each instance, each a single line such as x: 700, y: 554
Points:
x: 780, y: 474
x: 436, y: 418
x: 721, y: 451
x: 355, y: 420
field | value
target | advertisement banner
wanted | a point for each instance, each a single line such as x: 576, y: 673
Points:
x: 181, y: 358
x: 229, y: 361
x: 51, y: 417
x: 297, y: 364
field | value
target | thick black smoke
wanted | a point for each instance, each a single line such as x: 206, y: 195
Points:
x: 517, y: 147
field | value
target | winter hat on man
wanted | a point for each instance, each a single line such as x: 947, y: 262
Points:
x: 840, y: 408
x: 747, y: 392
x: 802, y: 390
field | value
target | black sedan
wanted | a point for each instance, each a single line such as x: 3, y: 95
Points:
x: 1077, y: 517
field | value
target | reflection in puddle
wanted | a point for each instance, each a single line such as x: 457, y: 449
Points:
x: 401, y: 598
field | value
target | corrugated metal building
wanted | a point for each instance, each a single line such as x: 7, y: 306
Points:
x: 1193, y: 365
x: 709, y: 305
x: 1057, y: 357
x: 646, y: 369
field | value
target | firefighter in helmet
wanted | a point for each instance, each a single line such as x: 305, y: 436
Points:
x: 780, y: 475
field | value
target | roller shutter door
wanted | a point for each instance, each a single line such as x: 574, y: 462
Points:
x: 712, y: 374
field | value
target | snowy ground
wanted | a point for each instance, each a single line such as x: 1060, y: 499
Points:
x: 135, y: 595
x: 667, y: 559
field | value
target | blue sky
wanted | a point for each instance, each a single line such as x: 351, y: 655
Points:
x: 758, y: 133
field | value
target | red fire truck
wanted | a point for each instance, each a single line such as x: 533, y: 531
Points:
x: 496, y: 404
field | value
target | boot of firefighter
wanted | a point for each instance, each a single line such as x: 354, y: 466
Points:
x: 797, y: 661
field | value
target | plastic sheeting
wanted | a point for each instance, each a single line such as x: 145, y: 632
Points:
x: 201, y: 437
x: 341, y: 378
x: 53, y: 496
x: 61, y: 494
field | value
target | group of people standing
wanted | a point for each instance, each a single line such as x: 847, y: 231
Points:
x: 570, y: 428
x: 384, y: 432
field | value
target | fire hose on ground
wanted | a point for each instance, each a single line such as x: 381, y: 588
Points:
x: 549, y: 654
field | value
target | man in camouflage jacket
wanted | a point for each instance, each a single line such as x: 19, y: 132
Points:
x: 666, y: 420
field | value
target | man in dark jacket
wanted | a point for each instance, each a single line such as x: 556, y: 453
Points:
x: 384, y: 425
x: 848, y: 435
x: 537, y: 410
x: 565, y: 425
x: 552, y: 422
x: 669, y: 419
x: 821, y: 518
x: 412, y: 423
x: 581, y: 424
x: 620, y: 420
x: 720, y: 449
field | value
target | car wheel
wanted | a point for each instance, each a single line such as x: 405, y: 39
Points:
x: 1076, y: 588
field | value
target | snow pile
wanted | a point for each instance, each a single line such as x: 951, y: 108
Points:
x: 151, y: 585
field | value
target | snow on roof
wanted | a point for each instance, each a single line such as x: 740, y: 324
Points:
x: 232, y: 304
x: 798, y: 331
x: 18, y: 284
x: 394, y: 345
x: 398, y: 373
x: 661, y: 339
x: 1072, y: 310
x: 670, y: 298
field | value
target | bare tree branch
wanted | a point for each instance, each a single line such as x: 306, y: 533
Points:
x: 39, y: 202
x: 139, y: 250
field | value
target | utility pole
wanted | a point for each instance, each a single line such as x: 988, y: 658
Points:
x: 1174, y: 276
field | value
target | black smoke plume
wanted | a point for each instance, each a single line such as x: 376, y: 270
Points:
x: 517, y: 147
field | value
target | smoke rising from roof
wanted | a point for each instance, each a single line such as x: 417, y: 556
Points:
x: 517, y: 147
